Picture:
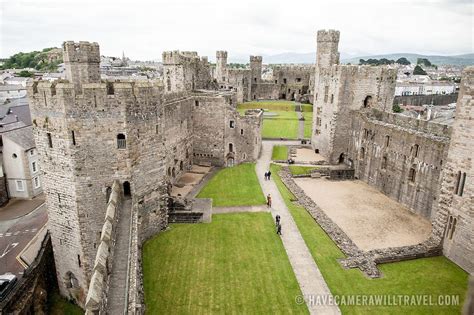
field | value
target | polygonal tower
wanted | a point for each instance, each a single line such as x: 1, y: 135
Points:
x: 327, y: 48
x: 82, y: 63
x: 256, y: 68
x: 221, y: 65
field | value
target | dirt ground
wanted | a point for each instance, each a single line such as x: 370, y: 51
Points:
x: 307, y: 155
x: 371, y: 219
x: 188, y: 180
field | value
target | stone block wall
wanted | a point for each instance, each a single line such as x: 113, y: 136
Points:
x: 402, y: 160
x: 456, y: 209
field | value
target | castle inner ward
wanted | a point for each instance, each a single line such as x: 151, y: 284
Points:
x: 113, y: 150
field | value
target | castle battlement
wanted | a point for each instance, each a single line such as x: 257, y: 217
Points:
x: 255, y: 58
x: 383, y: 72
x: 221, y: 54
x: 83, y: 52
x: 179, y: 57
x: 328, y: 36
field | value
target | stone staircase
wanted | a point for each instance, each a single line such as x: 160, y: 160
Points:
x: 185, y: 217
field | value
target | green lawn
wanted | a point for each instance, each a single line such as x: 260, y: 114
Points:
x: 308, y: 124
x: 234, y: 186
x: 234, y: 265
x: 307, y: 107
x: 300, y: 170
x: 271, y: 105
x: 285, y: 125
x: 57, y: 305
x: 433, y: 276
x: 280, y: 152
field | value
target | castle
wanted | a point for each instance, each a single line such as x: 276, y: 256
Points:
x: 109, y: 146
x: 288, y: 82
x: 91, y: 134
x: 424, y: 165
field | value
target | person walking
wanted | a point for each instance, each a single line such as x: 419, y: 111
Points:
x: 269, y: 201
x: 269, y: 174
x: 279, y: 229
x: 266, y: 175
x: 277, y: 220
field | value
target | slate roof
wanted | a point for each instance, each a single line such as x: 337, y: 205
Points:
x: 23, y: 137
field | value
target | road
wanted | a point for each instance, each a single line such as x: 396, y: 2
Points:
x: 15, y: 234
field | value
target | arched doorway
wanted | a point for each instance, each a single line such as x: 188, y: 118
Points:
x: 230, y: 162
x: 126, y: 189
x: 341, y: 158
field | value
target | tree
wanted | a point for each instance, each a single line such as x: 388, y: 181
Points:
x: 419, y: 70
x: 403, y: 61
x: 25, y: 74
x: 397, y: 109
x: 424, y: 61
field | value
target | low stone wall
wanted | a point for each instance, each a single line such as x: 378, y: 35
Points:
x: 418, y: 100
x: 356, y: 258
x: 3, y: 191
x: 96, y: 300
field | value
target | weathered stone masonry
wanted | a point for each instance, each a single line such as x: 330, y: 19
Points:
x: 423, y: 165
x: 90, y: 133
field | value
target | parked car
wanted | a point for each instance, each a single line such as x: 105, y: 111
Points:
x: 7, y: 282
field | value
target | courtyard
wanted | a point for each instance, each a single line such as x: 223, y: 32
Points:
x: 281, y: 120
x: 371, y: 219
x: 234, y: 265
x: 238, y: 264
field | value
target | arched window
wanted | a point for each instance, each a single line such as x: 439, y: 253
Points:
x: 362, y: 153
x: 121, y: 141
x: 414, y: 150
x: 368, y: 102
x: 231, y: 147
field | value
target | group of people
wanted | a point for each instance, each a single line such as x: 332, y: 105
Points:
x: 269, y: 205
x: 267, y: 175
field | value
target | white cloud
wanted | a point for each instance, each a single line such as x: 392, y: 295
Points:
x: 143, y: 29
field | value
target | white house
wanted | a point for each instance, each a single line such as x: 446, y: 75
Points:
x: 21, y: 163
x: 11, y: 91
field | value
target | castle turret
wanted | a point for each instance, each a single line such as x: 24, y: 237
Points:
x: 256, y: 68
x: 82, y: 63
x: 221, y: 65
x: 327, y: 48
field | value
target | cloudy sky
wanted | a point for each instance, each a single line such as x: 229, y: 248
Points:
x: 145, y: 28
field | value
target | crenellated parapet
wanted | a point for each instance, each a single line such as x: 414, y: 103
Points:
x: 84, y: 52
x: 328, y: 36
x: 105, y: 98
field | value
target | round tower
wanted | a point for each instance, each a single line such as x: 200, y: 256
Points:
x: 327, y: 48
x: 221, y: 65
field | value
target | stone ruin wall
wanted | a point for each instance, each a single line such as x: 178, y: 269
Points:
x: 339, y: 90
x: 458, y: 242
x: 383, y: 151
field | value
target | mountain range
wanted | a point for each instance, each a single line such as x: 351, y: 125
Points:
x: 292, y: 57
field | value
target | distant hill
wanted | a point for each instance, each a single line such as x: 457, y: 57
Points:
x: 458, y: 60
x: 292, y: 57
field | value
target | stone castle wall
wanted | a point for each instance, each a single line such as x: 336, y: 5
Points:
x: 456, y: 200
x: 144, y: 135
x: 385, y: 151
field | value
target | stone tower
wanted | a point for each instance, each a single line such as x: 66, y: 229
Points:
x: 256, y: 68
x: 327, y: 48
x: 341, y: 89
x: 82, y: 63
x: 455, y: 210
x: 221, y: 65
